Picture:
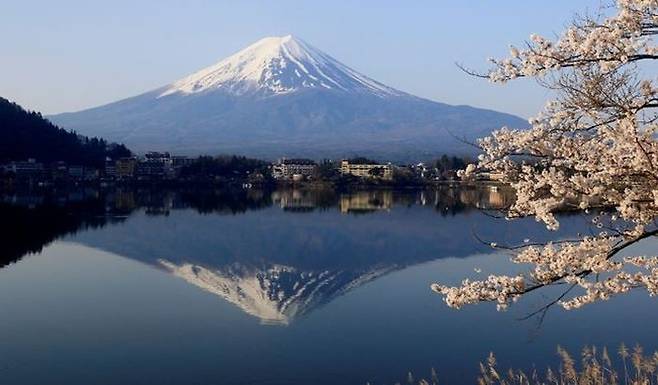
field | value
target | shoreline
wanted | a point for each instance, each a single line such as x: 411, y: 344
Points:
x: 8, y: 185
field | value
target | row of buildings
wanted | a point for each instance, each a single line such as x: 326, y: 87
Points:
x: 164, y: 166
x: 294, y: 169
x: 31, y: 169
x: 154, y: 165
x: 300, y: 169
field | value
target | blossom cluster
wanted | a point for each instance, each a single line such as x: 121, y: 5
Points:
x: 594, y: 148
x: 616, y: 41
x: 500, y: 289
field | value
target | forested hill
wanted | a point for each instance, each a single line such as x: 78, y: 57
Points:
x: 27, y: 134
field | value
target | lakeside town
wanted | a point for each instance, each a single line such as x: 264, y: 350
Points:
x: 162, y: 167
x: 354, y: 193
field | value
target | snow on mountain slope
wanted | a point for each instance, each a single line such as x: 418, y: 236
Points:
x: 282, y: 97
x: 276, y: 294
x: 278, y: 65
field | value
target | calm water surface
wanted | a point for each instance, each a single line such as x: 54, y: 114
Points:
x: 284, y: 287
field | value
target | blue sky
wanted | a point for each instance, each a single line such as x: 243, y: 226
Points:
x: 68, y: 55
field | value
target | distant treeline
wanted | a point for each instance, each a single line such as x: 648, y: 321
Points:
x: 451, y: 163
x: 27, y: 134
x: 227, y: 167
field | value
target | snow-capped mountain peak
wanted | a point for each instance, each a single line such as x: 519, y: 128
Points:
x: 281, y: 97
x: 278, y: 65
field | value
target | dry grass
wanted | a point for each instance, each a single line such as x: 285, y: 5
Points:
x: 632, y: 367
x: 627, y: 367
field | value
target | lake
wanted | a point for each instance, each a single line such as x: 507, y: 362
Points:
x: 275, y: 287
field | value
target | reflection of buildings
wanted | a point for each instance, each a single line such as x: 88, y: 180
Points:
x: 276, y: 268
x: 307, y: 200
x: 366, y: 201
x: 497, y: 199
x: 124, y: 200
x: 452, y: 199
x: 486, y: 197
x: 294, y: 200
x: 162, y: 201
x: 275, y: 294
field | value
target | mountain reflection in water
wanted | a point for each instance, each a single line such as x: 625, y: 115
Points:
x: 274, y: 265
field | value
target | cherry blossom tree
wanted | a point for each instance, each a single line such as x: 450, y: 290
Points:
x: 594, y: 148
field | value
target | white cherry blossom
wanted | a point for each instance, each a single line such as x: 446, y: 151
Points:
x: 594, y: 147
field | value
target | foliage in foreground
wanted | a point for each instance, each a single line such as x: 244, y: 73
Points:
x: 594, y: 148
x: 597, y: 367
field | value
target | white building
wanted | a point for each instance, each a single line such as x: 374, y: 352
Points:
x: 364, y: 169
x: 31, y: 167
x: 293, y: 168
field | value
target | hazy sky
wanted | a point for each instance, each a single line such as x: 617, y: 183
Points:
x: 69, y: 55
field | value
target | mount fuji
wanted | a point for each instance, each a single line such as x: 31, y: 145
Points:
x: 282, y: 97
